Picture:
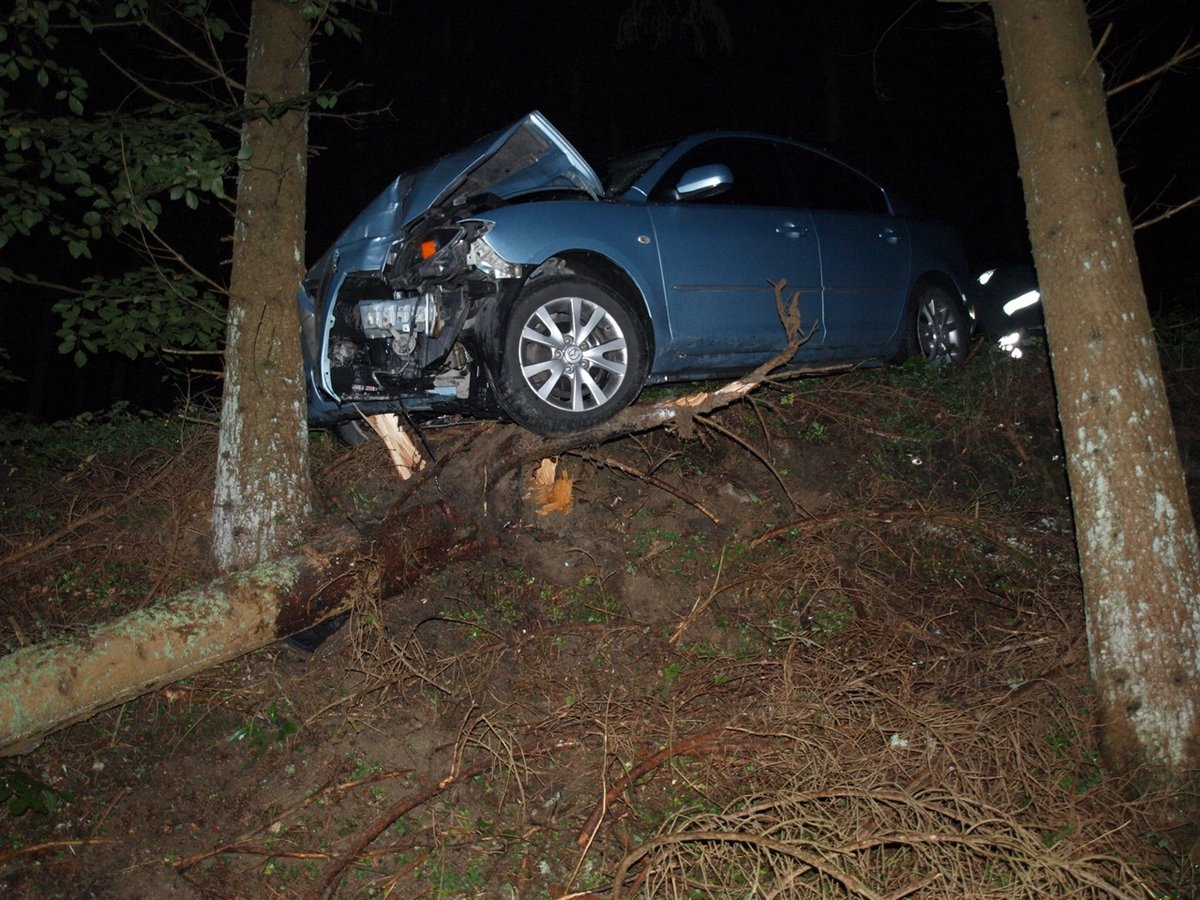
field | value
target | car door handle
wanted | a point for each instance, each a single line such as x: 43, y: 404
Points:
x: 791, y: 230
x: 890, y: 236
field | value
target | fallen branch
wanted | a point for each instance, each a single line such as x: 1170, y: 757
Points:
x: 812, y: 523
x: 700, y: 605
x: 53, y: 684
x: 6, y: 855
x: 848, y: 881
x: 754, y: 451
x: 329, y: 883
x: 50, y: 685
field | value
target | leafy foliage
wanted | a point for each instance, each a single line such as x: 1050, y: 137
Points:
x: 664, y: 22
x: 143, y: 311
x: 131, y: 173
x: 37, y: 452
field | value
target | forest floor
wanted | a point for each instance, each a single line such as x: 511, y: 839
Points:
x: 831, y: 646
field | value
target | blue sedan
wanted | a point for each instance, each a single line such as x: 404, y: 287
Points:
x: 507, y: 279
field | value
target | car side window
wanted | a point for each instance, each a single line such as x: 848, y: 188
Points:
x: 823, y: 183
x: 758, y: 176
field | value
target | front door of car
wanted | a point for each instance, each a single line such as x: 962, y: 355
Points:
x: 719, y: 254
x: 865, y: 252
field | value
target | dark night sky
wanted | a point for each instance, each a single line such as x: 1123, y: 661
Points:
x: 912, y: 92
x: 908, y: 98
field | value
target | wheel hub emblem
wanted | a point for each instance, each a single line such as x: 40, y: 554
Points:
x: 572, y: 354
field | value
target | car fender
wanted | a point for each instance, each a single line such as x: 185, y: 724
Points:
x: 530, y: 234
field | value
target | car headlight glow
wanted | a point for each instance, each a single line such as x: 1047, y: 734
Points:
x: 1016, y: 304
x: 986, y: 276
x: 1011, y: 344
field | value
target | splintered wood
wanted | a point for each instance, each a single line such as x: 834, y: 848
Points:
x: 400, y: 447
x: 551, y: 489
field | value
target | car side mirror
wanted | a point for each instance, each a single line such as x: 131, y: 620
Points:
x: 703, y: 182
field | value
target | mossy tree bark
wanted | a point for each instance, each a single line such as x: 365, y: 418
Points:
x: 1138, y: 551
x: 262, y: 499
x: 54, y: 684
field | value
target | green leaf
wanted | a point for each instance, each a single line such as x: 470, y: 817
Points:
x: 80, y: 358
x: 75, y: 106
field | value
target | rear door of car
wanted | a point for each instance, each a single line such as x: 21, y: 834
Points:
x: 719, y: 255
x: 865, y: 252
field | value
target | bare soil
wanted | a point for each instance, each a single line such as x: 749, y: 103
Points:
x: 831, y: 646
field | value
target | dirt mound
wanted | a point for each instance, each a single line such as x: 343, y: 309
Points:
x: 830, y: 646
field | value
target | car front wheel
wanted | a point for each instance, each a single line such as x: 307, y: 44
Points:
x: 574, y: 354
x: 939, y: 330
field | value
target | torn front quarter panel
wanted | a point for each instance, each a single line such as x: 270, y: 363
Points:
x: 384, y: 309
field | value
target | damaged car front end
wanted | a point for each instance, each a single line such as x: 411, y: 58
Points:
x: 398, y: 313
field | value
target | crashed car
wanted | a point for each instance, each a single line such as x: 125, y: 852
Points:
x: 507, y: 280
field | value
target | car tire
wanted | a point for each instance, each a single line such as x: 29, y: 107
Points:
x: 574, y: 354
x: 938, y: 328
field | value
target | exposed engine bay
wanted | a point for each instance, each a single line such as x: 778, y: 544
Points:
x: 400, y: 313
x: 404, y: 332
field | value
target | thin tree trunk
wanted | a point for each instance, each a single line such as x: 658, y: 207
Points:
x: 1138, y: 552
x: 262, y: 498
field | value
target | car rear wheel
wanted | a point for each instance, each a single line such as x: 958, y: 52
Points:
x: 574, y: 354
x: 939, y: 330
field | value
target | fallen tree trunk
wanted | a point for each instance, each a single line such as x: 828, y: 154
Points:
x: 54, y: 684
x: 51, y: 685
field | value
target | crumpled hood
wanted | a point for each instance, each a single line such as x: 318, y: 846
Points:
x: 529, y: 155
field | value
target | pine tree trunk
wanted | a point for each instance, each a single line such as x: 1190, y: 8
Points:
x: 54, y: 684
x: 262, y: 498
x: 1138, y: 552
x: 51, y: 685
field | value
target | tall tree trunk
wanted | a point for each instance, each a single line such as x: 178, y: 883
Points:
x: 1138, y: 552
x: 262, y: 497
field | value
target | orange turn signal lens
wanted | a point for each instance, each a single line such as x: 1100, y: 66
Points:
x: 428, y: 248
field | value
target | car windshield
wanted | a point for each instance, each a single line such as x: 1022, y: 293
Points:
x: 625, y: 170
